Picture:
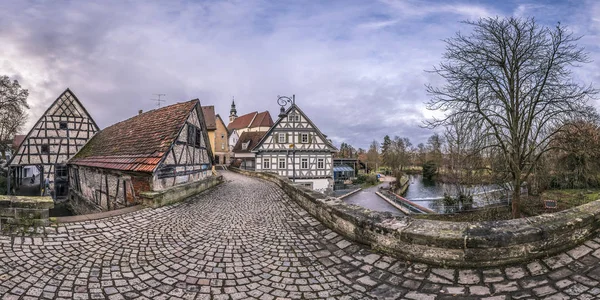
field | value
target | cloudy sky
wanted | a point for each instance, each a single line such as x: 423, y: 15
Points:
x: 357, y: 68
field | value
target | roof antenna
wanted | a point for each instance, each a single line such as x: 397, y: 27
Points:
x: 158, y: 100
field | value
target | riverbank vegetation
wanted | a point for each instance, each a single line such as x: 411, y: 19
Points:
x: 366, y: 180
x: 512, y: 114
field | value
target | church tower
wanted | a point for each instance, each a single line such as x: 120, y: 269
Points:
x: 232, y: 112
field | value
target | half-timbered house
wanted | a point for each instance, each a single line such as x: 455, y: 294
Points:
x: 150, y: 152
x: 59, y: 133
x: 294, y: 147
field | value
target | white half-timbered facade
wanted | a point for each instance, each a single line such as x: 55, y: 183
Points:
x: 294, y: 147
x: 60, y: 132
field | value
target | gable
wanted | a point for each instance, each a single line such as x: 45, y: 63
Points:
x: 60, y: 132
x: 294, y: 130
x: 191, y: 147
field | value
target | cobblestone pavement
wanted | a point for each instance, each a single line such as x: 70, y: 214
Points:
x: 246, y: 239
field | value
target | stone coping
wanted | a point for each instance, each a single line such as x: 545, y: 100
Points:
x: 456, y: 244
x: 179, y: 193
x: 40, y: 202
x: 100, y: 215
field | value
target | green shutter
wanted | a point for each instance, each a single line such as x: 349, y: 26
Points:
x: 310, y: 138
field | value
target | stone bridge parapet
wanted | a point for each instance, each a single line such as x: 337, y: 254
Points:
x: 24, y: 213
x: 457, y: 244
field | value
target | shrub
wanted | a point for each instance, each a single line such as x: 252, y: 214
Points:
x: 372, y: 179
x: 429, y: 170
x: 360, y: 179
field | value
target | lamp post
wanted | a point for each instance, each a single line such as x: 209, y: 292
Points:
x: 283, y: 101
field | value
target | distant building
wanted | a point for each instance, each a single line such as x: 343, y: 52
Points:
x: 59, y: 133
x: 251, y: 122
x: 152, y: 151
x: 295, y: 148
x: 221, y: 149
x: 243, y: 157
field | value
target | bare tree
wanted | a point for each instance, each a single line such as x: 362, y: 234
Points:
x: 514, y: 77
x: 373, y: 156
x: 13, y: 103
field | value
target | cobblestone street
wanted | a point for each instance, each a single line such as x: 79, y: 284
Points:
x: 246, y: 239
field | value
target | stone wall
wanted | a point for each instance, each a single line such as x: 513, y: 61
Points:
x: 457, y: 244
x: 22, y: 214
x: 179, y: 192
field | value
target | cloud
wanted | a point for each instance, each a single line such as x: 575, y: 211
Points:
x: 356, y: 67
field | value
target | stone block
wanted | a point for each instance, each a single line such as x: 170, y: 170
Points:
x: 31, y: 213
x: 7, y: 212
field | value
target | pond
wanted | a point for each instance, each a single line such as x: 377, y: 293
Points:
x: 430, y: 194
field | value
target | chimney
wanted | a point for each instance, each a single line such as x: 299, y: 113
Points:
x: 140, y: 112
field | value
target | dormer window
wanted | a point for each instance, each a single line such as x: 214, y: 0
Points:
x: 245, y: 145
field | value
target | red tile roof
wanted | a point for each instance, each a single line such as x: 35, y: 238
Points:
x: 262, y: 119
x: 252, y: 137
x: 209, y: 117
x: 251, y: 120
x: 138, y: 143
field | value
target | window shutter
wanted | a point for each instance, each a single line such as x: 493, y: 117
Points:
x: 287, y: 138
x: 310, y: 138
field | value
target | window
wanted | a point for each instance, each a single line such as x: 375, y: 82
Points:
x: 194, y: 136
x: 45, y: 148
x: 320, y: 163
x: 304, y: 163
x: 293, y: 118
x: 222, y: 136
x: 282, y: 163
x: 198, y: 137
x: 304, y: 138
x: 282, y: 138
x: 61, y: 171
x: 245, y: 145
x: 63, y: 125
x: 222, y: 146
x: 266, y: 163
x: 191, y: 135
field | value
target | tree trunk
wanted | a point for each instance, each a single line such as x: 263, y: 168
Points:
x: 516, y: 196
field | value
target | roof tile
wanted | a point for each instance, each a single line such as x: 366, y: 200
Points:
x: 252, y: 137
x: 209, y: 117
x: 138, y: 143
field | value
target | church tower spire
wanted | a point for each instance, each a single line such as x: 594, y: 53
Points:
x: 233, y: 111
